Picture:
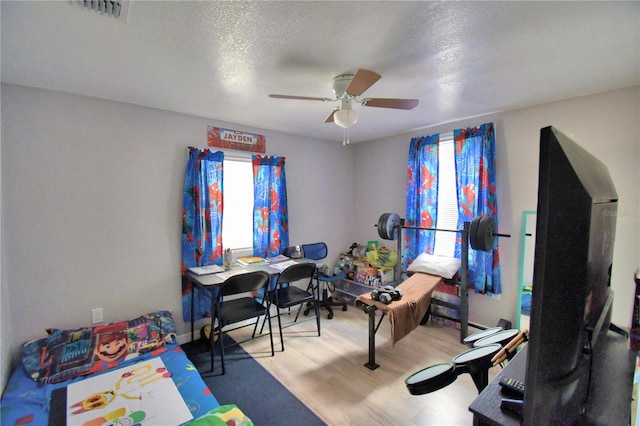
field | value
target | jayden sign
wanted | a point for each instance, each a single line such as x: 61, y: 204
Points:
x: 235, y: 139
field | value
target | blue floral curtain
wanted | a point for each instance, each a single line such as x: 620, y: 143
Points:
x: 422, y: 195
x: 475, y: 159
x: 201, y: 224
x: 270, y: 211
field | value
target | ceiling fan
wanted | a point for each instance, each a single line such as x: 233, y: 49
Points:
x: 347, y: 88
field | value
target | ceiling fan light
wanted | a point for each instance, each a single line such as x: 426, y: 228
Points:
x: 345, y: 117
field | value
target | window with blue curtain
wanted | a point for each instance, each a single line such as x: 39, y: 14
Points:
x: 201, y: 223
x: 475, y: 175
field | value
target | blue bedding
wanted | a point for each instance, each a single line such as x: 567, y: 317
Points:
x: 26, y: 403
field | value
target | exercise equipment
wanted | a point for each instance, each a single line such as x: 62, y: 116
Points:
x: 480, y: 233
x: 386, y: 294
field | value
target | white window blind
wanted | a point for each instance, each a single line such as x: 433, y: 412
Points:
x: 447, y: 214
x: 237, y: 219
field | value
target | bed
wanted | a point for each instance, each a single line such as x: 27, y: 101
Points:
x: 129, y: 372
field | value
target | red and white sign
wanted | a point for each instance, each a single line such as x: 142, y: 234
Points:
x: 235, y: 139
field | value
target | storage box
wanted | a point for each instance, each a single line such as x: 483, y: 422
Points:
x: 386, y: 277
x: 445, y: 297
x: 360, y: 265
x: 448, y: 289
x: 367, y: 279
x: 445, y: 312
x: 340, y: 297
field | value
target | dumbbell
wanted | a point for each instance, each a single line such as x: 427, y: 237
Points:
x: 386, y: 294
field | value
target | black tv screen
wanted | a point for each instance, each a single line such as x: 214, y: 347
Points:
x: 571, y: 299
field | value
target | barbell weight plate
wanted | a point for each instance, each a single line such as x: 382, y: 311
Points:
x: 392, y: 223
x: 485, y: 234
x: 473, y: 232
x: 382, y: 227
x: 387, y: 226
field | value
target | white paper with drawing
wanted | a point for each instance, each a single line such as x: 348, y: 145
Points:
x: 143, y: 392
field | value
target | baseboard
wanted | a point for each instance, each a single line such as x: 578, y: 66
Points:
x: 186, y: 337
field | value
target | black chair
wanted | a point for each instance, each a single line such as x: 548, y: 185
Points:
x: 241, y: 309
x: 285, y: 295
x: 324, y: 283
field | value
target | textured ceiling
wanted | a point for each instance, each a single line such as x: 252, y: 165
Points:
x: 221, y: 59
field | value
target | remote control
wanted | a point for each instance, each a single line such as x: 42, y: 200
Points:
x: 513, y: 386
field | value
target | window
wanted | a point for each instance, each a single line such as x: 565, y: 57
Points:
x: 447, y: 214
x: 237, y: 220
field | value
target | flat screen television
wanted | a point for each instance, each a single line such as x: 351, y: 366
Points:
x: 571, y: 300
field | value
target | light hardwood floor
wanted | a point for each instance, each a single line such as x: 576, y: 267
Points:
x: 327, y: 373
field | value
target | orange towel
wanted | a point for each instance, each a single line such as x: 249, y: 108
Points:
x: 405, y: 314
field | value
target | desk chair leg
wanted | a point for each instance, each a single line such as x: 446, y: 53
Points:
x: 317, y: 309
x: 255, y: 328
x: 212, y: 343
x: 326, y: 303
x: 279, y: 326
x: 270, y: 334
x: 221, y: 344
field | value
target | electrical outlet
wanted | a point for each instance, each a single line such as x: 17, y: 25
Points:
x: 96, y: 316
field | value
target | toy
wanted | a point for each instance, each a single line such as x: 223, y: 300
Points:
x: 386, y: 294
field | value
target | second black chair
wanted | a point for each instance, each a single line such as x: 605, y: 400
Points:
x: 237, y: 310
x: 285, y: 295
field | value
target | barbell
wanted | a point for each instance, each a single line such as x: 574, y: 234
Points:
x: 482, y: 230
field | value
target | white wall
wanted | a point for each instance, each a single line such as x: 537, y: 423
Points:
x: 5, y: 313
x: 92, y: 206
x: 605, y: 124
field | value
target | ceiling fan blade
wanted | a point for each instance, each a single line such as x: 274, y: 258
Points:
x: 362, y: 80
x: 330, y: 117
x: 391, y: 103
x: 304, y: 98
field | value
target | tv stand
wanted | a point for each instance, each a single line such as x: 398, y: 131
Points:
x: 609, y: 404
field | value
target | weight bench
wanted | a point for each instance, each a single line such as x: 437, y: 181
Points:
x: 404, y: 314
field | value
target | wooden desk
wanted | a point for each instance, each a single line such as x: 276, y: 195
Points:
x: 610, y: 402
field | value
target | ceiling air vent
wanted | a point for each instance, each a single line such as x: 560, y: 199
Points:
x: 118, y: 9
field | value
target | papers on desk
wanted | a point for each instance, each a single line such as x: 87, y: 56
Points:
x: 207, y: 269
x: 278, y: 258
x: 283, y: 265
x: 228, y: 274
